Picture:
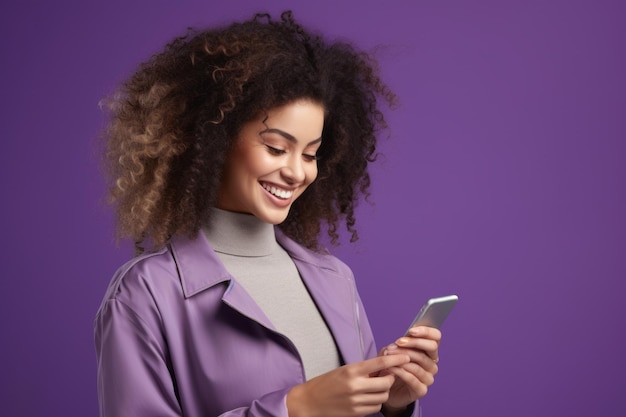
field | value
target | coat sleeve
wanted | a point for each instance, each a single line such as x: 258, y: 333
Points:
x: 134, y: 378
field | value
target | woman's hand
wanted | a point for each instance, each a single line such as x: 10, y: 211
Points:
x: 412, y: 379
x: 357, y: 389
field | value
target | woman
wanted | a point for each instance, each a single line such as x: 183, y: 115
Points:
x: 212, y: 143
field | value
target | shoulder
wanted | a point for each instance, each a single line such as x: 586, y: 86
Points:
x: 133, y: 300
x: 141, y: 272
x: 166, y: 277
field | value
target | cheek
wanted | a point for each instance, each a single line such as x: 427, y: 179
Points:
x: 311, y: 173
x: 255, y: 164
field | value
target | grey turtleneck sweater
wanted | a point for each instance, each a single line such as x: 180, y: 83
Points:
x: 248, y: 248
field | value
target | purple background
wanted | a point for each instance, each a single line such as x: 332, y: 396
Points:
x: 503, y: 181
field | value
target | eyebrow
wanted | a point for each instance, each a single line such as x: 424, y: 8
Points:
x: 288, y: 136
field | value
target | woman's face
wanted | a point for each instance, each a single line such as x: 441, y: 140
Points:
x: 273, y: 161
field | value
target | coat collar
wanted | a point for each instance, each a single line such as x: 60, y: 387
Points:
x: 327, y: 279
x: 200, y: 268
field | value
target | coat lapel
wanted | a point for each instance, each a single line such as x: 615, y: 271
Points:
x: 200, y: 268
x: 334, y: 294
x: 329, y: 282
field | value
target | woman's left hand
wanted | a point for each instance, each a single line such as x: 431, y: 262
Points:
x: 413, y: 379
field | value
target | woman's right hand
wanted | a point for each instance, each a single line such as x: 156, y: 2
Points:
x: 350, y: 390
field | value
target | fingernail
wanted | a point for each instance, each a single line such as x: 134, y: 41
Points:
x: 392, y: 347
x: 402, y: 341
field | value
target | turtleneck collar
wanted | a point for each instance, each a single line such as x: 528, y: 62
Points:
x: 240, y: 234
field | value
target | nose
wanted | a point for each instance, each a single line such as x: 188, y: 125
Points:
x: 293, y: 170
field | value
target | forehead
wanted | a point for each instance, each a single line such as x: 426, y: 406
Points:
x: 302, y: 119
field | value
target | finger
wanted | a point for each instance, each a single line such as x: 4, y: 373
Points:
x: 372, y: 398
x: 426, y: 345
x: 419, y: 357
x: 373, y: 384
x: 417, y: 388
x: 413, y: 376
x: 419, y: 372
x: 425, y: 332
x: 379, y: 363
x: 429, y: 346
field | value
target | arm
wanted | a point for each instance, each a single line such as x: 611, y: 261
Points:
x: 135, y: 375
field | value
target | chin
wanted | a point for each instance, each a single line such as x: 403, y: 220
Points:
x: 273, y: 218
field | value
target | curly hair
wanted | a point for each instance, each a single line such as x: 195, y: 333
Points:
x: 172, y: 124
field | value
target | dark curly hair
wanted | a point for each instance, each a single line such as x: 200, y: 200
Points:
x: 174, y: 121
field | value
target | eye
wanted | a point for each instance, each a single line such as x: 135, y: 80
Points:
x: 310, y: 158
x: 274, y: 151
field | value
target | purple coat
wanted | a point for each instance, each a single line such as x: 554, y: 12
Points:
x: 176, y: 335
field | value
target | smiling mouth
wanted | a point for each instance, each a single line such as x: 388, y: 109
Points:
x: 277, y: 192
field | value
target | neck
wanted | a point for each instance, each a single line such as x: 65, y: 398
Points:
x: 240, y: 234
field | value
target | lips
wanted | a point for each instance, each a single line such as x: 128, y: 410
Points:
x: 278, y: 192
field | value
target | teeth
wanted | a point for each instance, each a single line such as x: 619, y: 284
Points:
x: 284, y: 194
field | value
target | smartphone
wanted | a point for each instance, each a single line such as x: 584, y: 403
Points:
x: 434, y: 312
